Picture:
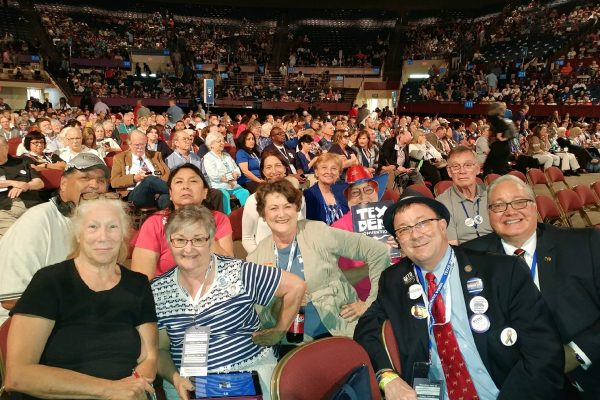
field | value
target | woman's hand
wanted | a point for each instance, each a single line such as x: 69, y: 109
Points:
x: 183, y: 386
x: 267, y: 337
x: 129, y: 388
x: 353, y: 310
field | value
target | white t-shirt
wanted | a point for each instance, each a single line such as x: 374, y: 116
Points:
x: 40, y: 237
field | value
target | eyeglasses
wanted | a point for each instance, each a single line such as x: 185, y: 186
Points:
x: 138, y: 145
x: 518, y: 204
x: 367, y: 190
x: 95, y: 195
x: 180, y: 243
x: 73, y: 139
x: 346, y: 136
x: 420, y: 227
x: 469, y: 166
x: 37, y: 142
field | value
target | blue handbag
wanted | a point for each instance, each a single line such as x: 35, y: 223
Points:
x: 233, y: 384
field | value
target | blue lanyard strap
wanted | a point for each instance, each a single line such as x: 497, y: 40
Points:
x: 435, y: 294
x: 534, y: 265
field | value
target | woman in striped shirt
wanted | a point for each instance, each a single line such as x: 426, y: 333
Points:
x: 208, y: 290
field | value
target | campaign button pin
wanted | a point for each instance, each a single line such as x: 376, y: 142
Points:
x: 478, y: 219
x: 508, y: 336
x: 479, y: 305
x: 415, y: 291
x: 474, y: 285
x: 479, y: 323
x: 419, y: 311
x: 468, y: 268
x: 469, y: 222
x: 408, y: 278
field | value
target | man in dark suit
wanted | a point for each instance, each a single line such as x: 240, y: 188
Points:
x: 564, y: 264
x: 278, y: 138
x: 394, y: 159
x: 474, y: 321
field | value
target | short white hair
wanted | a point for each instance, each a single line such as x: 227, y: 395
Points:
x: 212, y: 137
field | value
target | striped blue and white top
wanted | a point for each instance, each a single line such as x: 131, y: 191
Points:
x: 227, y: 308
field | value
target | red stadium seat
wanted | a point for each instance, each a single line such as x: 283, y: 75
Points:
x: 315, y: 370
x: 548, y: 212
x: 236, y: 223
x: 235, y: 218
x: 391, y: 345
x: 555, y: 175
x: 423, y: 189
x: 589, y: 200
x: 519, y: 175
x: 441, y: 187
x: 392, y: 195
x: 489, y: 178
x: 51, y: 178
x: 536, y: 177
x: 570, y: 203
x: 13, y: 144
x: 595, y: 186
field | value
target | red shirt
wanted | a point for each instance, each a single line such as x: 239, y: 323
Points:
x: 152, y: 237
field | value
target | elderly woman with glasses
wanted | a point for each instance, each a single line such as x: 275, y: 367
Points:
x: 35, y: 144
x: 205, y: 287
x: 222, y: 171
x: 311, y: 249
x: 86, y: 327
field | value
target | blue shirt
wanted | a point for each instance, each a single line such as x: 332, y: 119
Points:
x: 485, y: 386
x: 313, y: 326
x: 253, y: 161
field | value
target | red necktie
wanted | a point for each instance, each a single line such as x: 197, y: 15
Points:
x: 458, y: 380
x: 519, y: 253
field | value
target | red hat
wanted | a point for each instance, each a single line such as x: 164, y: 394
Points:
x: 358, y: 174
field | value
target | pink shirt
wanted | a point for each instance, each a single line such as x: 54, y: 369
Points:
x: 364, y: 286
x: 152, y: 237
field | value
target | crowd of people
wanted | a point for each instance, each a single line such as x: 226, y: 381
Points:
x: 297, y: 178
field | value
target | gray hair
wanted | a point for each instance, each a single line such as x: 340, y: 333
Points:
x: 190, y: 215
x: 514, y: 179
x: 82, y: 211
x: 212, y: 137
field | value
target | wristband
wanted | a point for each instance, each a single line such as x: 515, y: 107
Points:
x: 386, y: 378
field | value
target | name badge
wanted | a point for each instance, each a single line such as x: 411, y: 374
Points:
x: 428, y: 389
x: 194, y: 358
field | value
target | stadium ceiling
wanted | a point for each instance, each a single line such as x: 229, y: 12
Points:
x: 392, y: 5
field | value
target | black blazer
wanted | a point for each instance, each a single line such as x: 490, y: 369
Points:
x: 389, y: 154
x: 530, y: 369
x: 569, y: 276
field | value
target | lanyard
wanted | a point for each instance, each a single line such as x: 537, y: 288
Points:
x: 435, y: 294
x: 290, y: 258
x: 475, y: 224
x: 534, y: 266
x: 196, y: 299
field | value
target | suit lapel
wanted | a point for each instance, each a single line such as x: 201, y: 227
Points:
x: 546, y: 259
x: 410, y: 278
x: 467, y: 272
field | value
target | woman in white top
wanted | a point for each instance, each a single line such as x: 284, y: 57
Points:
x: 103, y: 141
x: 222, y: 171
x: 254, y: 227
